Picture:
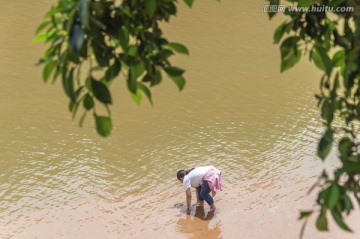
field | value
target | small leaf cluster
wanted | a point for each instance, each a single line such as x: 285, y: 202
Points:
x: 331, y: 40
x: 93, y: 42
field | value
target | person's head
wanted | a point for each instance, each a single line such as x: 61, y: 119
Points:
x: 181, y: 174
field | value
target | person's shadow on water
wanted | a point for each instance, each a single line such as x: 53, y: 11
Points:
x: 197, y: 225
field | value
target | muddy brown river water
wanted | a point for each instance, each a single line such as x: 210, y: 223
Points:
x: 237, y: 112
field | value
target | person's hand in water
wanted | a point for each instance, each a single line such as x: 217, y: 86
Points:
x: 188, y: 211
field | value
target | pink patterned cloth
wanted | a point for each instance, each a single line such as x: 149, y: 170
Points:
x: 213, y: 177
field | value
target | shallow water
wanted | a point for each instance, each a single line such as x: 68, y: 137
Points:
x: 237, y: 112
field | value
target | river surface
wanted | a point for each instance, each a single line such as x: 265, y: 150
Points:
x: 237, y: 112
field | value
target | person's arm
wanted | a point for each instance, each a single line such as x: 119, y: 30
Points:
x: 188, y: 200
x: 197, y: 196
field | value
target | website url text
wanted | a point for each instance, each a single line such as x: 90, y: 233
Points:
x: 283, y: 8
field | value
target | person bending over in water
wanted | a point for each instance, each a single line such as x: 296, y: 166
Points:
x: 205, y: 179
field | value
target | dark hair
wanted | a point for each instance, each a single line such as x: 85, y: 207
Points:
x: 181, y: 173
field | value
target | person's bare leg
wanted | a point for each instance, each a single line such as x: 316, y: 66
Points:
x: 212, y: 207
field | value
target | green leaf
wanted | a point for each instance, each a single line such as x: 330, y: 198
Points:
x: 290, y: 54
x: 42, y: 26
x: 136, y: 97
x: 157, y: 79
x: 318, y: 61
x: 78, y: 93
x: 338, y: 59
x: 349, y: 80
x: 305, y: 214
x: 53, y: 36
x: 174, y: 71
x: 150, y: 7
x: 353, y: 158
x: 101, y: 54
x: 325, y: 144
x: 103, y: 125
x: 331, y: 196
x: 71, y: 106
x: 327, y: 112
x: 41, y: 62
x: 57, y: 73
x: 132, y: 81
x: 335, y: 87
x: 341, y: 40
x: 98, y: 23
x: 338, y: 3
x: 177, y: 47
x: 134, y: 73
x: 189, y: 2
x: 154, y: 79
x: 75, y: 108
x: 40, y: 37
x: 305, y: 3
x: 84, y: 13
x: 321, y: 59
x: 97, y: 68
x: 101, y: 92
x: 133, y: 50
x: 273, y: 3
x: 113, y: 71
x: 321, y: 222
x: 179, y: 81
x: 73, y: 56
x: 339, y: 220
x: 345, y: 146
x: 138, y: 70
x: 123, y: 35
x: 347, y: 203
x: 81, y: 122
x: 99, y: 8
x: 281, y: 30
x: 48, y: 70
x: 88, y: 102
x: 146, y: 91
x: 73, y: 17
x: 348, y: 168
x: 54, y: 10
x: 88, y: 84
x: 68, y: 83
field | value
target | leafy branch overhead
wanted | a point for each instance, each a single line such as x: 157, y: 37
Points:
x: 328, y: 32
x: 91, y: 43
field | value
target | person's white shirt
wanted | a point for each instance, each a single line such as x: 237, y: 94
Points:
x: 195, y: 177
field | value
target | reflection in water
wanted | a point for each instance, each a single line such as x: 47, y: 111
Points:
x: 237, y: 112
x: 197, y: 225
